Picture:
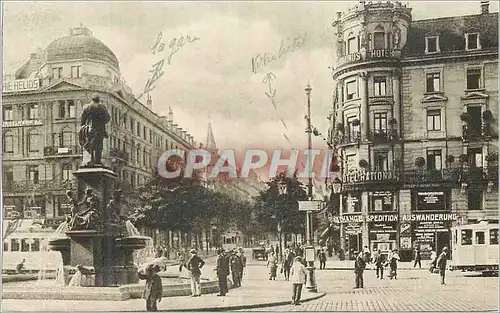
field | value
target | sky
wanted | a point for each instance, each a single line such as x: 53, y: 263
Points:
x: 213, y: 75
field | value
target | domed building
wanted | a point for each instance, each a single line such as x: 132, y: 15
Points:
x: 41, y: 108
x: 412, y: 123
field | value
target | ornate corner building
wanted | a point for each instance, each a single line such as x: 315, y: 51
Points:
x: 414, y: 124
x: 41, y: 106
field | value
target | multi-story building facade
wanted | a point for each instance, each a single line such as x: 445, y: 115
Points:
x: 414, y: 125
x: 41, y: 106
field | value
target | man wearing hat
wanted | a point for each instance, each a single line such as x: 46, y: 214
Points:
x: 236, y: 268
x: 194, y: 265
x: 222, y: 271
x: 441, y: 263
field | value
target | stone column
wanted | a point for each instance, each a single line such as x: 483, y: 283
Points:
x: 396, y: 91
x: 364, y: 210
x: 363, y: 95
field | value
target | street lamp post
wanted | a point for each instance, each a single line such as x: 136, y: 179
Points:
x: 282, y: 189
x: 311, y: 279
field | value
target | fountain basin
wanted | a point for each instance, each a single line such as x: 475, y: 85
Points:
x: 132, y: 242
x: 59, y: 243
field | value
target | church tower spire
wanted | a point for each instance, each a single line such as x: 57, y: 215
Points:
x: 210, y: 144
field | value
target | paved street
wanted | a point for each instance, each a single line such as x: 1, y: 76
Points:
x: 414, y: 290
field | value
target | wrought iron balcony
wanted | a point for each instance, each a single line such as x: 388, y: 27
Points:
x: 53, y: 151
x: 433, y: 175
x: 118, y: 155
x: 476, y: 133
x: 348, y: 137
x: 34, y: 186
x: 384, y: 135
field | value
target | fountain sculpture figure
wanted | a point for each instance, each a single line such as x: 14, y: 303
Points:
x: 96, y: 236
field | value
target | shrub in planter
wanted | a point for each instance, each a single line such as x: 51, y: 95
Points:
x: 420, y: 161
x: 487, y: 116
x: 355, y: 122
x: 363, y: 163
x: 463, y: 158
x: 450, y: 159
x: 464, y: 117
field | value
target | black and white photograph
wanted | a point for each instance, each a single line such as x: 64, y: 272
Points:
x: 208, y: 156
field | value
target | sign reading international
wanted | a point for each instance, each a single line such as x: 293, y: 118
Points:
x: 21, y: 85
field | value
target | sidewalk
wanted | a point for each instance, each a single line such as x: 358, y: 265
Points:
x: 333, y: 263
x: 256, y: 292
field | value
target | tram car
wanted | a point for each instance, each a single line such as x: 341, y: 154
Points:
x: 475, y: 247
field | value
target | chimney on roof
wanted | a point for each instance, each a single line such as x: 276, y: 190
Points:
x: 485, y: 7
x: 170, y: 114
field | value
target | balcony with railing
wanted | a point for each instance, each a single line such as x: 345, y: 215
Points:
x: 34, y: 186
x: 479, y: 174
x: 118, y: 155
x: 53, y: 151
x: 348, y: 138
x: 383, y: 135
x: 412, y: 176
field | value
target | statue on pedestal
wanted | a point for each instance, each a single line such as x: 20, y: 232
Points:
x: 94, y: 118
x: 113, y: 209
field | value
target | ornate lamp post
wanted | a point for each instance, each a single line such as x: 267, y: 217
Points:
x: 282, y: 189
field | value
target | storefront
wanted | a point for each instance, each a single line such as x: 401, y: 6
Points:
x: 383, y: 230
x: 351, y: 229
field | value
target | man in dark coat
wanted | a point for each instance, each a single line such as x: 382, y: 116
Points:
x: 359, y: 267
x: 418, y: 258
x: 236, y: 268
x: 222, y: 272
x: 380, y: 263
x: 441, y: 263
x: 153, y: 288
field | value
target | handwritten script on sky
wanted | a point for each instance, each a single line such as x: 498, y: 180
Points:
x: 287, y: 46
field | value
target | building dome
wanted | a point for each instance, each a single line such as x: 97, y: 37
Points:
x: 80, y: 44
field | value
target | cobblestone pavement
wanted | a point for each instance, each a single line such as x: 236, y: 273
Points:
x: 415, y: 290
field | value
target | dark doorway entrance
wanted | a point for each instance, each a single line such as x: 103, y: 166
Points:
x: 443, y: 240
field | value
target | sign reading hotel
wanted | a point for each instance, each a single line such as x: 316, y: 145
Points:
x: 21, y: 85
x: 417, y: 217
x: 23, y: 123
x: 364, y: 55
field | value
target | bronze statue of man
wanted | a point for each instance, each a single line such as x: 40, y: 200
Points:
x: 93, y: 121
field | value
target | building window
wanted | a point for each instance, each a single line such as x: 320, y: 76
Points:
x: 475, y: 200
x: 8, y: 114
x: 144, y: 132
x: 150, y: 136
x: 433, y: 81
x: 71, y: 109
x: 35, y: 245
x: 380, y: 122
x: 25, y: 247
x: 75, y: 71
x: 57, y: 72
x: 378, y: 40
x: 33, y: 112
x: 5, y: 245
x: 352, y: 202
x: 351, y: 89
x: 382, y: 201
x: 381, y: 160
x: 480, y: 240
x: 67, y: 138
x: 432, y: 44
x: 61, y: 106
x: 33, y: 141
x: 434, y: 160
x: 138, y: 129
x: 33, y: 173
x: 132, y: 123
x: 67, y: 168
x: 352, y: 45
x: 352, y: 131
x: 473, y: 78
x: 8, y: 174
x: 380, y: 85
x: 8, y: 142
x: 475, y: 156
x: 472, y: 41
x: 433, y: 120
x: 14, y: 244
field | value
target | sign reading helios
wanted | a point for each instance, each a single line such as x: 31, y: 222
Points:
x: 21, y: 85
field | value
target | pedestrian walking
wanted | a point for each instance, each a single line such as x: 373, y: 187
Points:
x: 243, y: 259
x: 153, y: 289
x: 433, y: 261
x: 393, y: 263
x: 194, y: 265
x: 380, y: 263
x: 287, y: 263
x: 298, y: 274
x: 236, y: 268
x: 272, y: 264
x: 222, y: 271
x: 359, y: 268
x: 366, y: 254
x: 322, y: 259
x: 418, y: 258
x: 181, y: 260
x: 441, y: 263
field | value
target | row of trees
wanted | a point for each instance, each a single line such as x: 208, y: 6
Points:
x: 186, y: 205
